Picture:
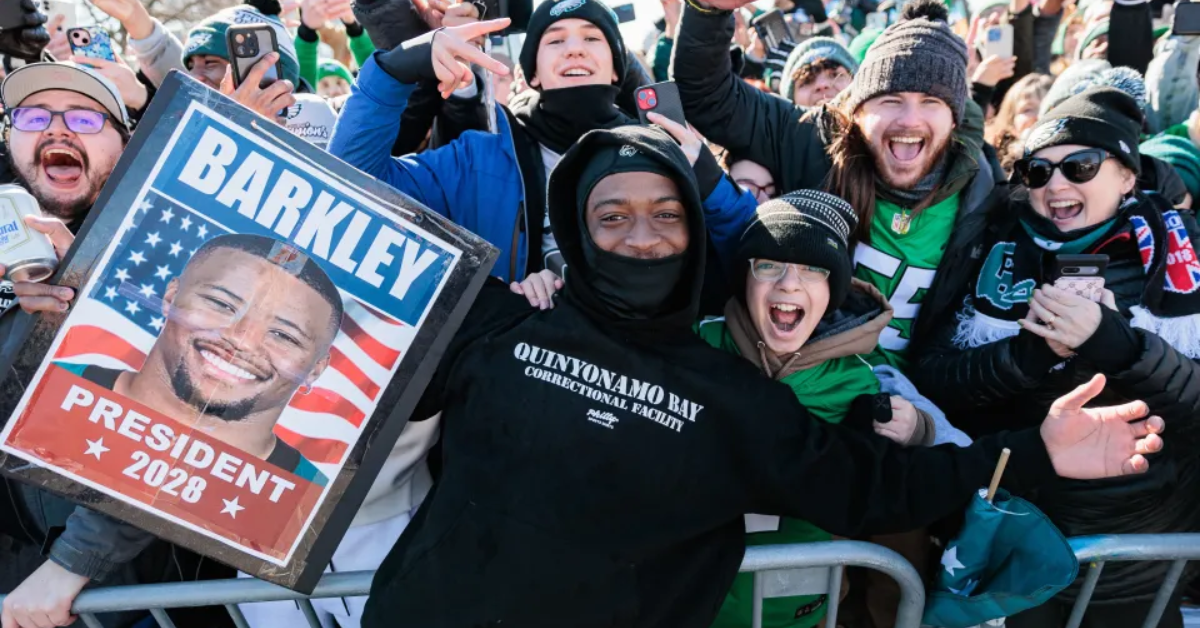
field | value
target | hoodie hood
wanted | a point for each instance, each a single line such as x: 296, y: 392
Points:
x: 683, y: 304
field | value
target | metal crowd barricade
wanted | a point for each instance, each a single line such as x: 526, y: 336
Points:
x: 822, y: 565
x: 816, y: 568
x: 1094, y: 551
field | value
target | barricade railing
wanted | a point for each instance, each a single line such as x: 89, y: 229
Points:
x: 823, y: 564
x: 817, y: 568
x: 1094, y: 551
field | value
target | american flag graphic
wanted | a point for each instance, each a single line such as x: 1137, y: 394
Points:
x: 117, y: 326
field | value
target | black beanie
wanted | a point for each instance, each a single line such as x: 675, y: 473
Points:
x: 611, y: 159
x: 802, y: 227
x: 552, y: 11
x: 1100, y: 117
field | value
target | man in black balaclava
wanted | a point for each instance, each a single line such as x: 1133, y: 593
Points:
x: 494, y: 184
x: 599, y: 456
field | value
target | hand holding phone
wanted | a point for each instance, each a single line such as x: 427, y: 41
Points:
x: 773, y: 29
x: 271, y: 100
x: 92, y: 43
x: 661, y: 98
x: 997, y: 41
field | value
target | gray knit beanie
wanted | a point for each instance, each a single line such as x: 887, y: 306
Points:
x: 920, y: 53
x: 810, y: 51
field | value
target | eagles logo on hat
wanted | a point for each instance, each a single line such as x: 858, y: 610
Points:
x: 628, y: 151
x: 566, y: 6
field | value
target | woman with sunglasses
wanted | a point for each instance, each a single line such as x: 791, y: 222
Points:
x: 1005, y: 338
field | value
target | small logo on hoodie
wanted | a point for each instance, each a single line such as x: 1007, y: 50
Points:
x: 606, y: 419
x: 566, y: 6
x: 627, y: 151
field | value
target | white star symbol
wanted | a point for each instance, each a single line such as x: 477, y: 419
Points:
x: 232, y: 507
x: 137, y: 258
x: 145, y: 206
x: 147, y: 290
x: 167, y: 215
x: 132, y: 307
x: 95, y: 447
x: 202, y: 231
x: 122, y: 275
x: 110, y: 293
x: 153, y: 239
x: 185, y: 223
x: 175, y: 249
x: 950, y: 561
x: 157, y: 323
x: 163, y: 272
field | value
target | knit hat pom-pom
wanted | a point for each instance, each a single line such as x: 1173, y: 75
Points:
x: 934, y: 10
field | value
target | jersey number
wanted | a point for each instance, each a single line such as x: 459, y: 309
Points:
x: 912, y: 281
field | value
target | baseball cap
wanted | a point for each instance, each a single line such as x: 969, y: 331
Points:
x: 311, y: 118
x: 39, y: 77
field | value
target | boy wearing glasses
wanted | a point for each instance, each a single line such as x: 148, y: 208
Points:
x: 792, y: 267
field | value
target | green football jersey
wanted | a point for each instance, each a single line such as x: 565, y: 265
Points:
x: 901, y: 260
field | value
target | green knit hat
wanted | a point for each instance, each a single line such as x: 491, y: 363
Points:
x: 1098, y: 30
x: 208, y: 37
x: 1181, y: 153
x: 862, y: 42
x: 333, y: 67
x: 810, y: 51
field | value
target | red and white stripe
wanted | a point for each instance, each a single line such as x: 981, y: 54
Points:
x: 323, y: 424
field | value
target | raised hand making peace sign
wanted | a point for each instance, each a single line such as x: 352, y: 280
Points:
x: 453, y: 53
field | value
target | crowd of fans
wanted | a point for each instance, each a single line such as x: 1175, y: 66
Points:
x: 867, y: 212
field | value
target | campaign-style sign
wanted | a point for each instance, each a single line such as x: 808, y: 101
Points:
x: 255, y: 322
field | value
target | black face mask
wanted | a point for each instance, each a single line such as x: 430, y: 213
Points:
x: 557, y: 118
x: 631, y: 288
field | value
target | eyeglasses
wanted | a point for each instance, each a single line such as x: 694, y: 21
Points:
x: 37, y: 119
x: 767, y: 271
x: 1078, y: 167
x: 750, y: 186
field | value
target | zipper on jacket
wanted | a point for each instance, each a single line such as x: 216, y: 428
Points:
x: 518, y: 229
x: 522, y: 218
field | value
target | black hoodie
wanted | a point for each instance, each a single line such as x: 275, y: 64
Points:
x: 596, y: 469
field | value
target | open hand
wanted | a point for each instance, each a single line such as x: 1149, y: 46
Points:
x: 1094, y: 443
x: 44, y: 599
x: 266, y: 101
x: 40, y: 297
x: 58, y: 47
x: 133, y: 92
x: 539, y: 288
x: 453, y: 53
x: 317, y: 13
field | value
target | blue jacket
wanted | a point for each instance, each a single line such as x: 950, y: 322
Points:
x: 474, y: 181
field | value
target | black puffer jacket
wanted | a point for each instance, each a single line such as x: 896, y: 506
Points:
x: 1011, y: 383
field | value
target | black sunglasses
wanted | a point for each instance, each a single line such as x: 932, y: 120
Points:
x: 1078, y: 167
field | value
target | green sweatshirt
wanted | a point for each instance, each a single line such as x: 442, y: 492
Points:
x: 308, y: 52
x: 826, y: 389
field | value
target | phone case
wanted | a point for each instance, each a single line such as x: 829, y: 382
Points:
x: 1087, y: 287
x: 91, y: 43
x: 240, y: 66
x: 662, y: 98
x: 998, y: 41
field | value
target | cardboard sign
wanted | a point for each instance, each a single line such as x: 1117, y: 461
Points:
x: 255, y: 321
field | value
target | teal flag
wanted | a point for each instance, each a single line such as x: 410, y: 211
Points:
x: 1008, y: 558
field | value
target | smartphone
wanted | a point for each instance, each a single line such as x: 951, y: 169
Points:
x: 1186, y: 20
x: 247, y: 44
x: 12, y: 15
x: 53, y: 8
x: 772, y: 28
x: 998, y: 41
x: 662, y: 98
x: 625, y: 13
x: 92, y: 43
x: 1081, y: 274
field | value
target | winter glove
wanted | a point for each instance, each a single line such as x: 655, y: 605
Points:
x: 26, y: 42
x: 867, y: 409
x: 389, y: 22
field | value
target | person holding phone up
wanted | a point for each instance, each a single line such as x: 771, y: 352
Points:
x: 1006, y: 338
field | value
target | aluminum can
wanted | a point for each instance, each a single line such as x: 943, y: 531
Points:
x: 27, y: 254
